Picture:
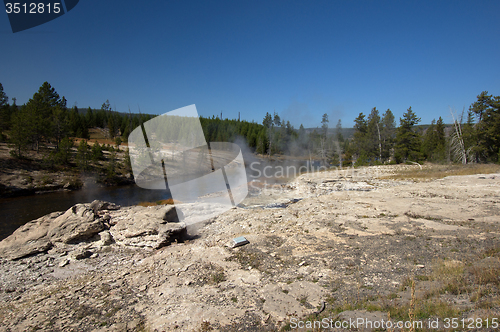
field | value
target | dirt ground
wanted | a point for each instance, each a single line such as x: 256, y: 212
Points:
x: 383, y: 242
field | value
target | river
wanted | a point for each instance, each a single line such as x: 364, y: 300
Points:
x: 17, y: 211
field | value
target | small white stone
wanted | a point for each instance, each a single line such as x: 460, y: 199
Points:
x: 64, y: 262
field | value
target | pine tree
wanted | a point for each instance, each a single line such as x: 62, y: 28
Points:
x: 127, y: 163
x: 41, y: 107
x: 338, y: 131
x: 487, y: 110
x: 429, y: 143
x: 4, y: 110
x: 20, y: 132
x: 374, y: 140
x: 324, y: 125
x: 269, y: 126
x: 60, y: 124
x: 63, y: 156
x: 360, y: 136
x: 111, y: 167
x: 90, y: 118
x: 83, y: 155
x: 97, y: 153
x: 407, y: 145
x: 470, y: 136
x: 4, y: 100
x: 118, y: 141
x: 388, y: 133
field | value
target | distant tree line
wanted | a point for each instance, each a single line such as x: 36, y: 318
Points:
x: 46, y: 122
x: 474, y: 137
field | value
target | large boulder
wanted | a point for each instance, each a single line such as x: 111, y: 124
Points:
x: 29, y: 239
x: 77, y: 224
x: 152, y: 227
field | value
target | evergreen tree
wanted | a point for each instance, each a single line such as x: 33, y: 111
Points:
x: 20, y: 132
x: 83, y: 155
x: 63, y: 156
x: 360, y: 136
x: 127, y: 164
x: 112, y: 125
x: 262, y: 142
x: 118, y: 141
x: 429, y: 143
x: 111, y: 167
x: 90, y: 118
x: 407, y: 145
x: 374, y: 140
x: 60, y: 124
x: 4, y: 110
x: 388, y: 133
x: 338, y: 131
x: 470, y: 136
x: 41, y: 107
x: 106, y: 107
x: 4, y: 100
x: 97, y: 153
x: 324, y: 125
x: 434, y: 141
x: 487, y: 110
x: 268, y: 123
x: 440, y: 137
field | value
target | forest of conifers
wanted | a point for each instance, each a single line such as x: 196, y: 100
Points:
x: 473, y: 136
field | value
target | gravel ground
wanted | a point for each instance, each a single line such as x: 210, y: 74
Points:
x: 344, y: 243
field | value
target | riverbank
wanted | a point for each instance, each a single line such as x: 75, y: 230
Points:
x: 363, y: 243
x: 32, y: 174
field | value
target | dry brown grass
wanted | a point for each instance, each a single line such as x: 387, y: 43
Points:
x: 161, y: 202
x: 433, y: 171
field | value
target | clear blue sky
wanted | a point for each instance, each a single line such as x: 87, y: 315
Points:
x: 298, y: 58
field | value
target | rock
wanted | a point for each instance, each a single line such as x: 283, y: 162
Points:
x: 167, y: 213
x: 64, y: 262
x: 81, y: 254
x: 97, y: 206
x: 146, y: 227
x: 170, y: 214
x: 10, y: 289
x: 169, y: 233
x: 106, y: 238
x: 75, y: 225
x: 29, y: 239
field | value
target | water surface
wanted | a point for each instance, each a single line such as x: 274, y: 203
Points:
x: 17, y: 211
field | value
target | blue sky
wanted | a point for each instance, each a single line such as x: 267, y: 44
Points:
x: 298, y: 58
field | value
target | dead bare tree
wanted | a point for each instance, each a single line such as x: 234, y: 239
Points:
x: 457, y: 145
